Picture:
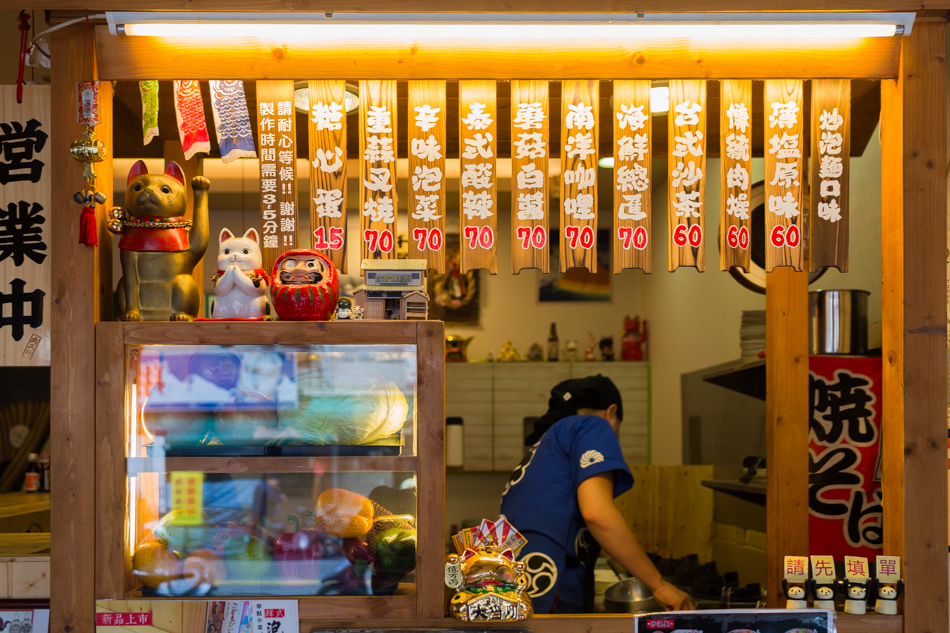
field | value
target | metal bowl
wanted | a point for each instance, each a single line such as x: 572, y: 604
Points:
x: 630, y: 595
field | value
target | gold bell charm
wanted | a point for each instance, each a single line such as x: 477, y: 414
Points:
x: 88, y: 150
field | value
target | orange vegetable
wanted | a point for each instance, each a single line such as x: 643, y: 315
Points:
x: 343, y: 513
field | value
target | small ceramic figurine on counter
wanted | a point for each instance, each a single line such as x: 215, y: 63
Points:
x: 824, y: 595
x: 856, y: 595
x: 535, y: 352
x: 589, y: 352
x: 887, y: 595
x: 570, y: 350
x: 240, y: 284
x: 633, y: 339
x: 344, y: 309
x: 305, y: 286
x: 796, y: 595
x: 508, y: 353
x: 607, y: 348
x: 158, y: 247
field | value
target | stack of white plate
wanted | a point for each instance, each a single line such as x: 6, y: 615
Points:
x: 752, y: 334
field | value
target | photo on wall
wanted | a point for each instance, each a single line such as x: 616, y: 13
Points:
x: 577, y: 284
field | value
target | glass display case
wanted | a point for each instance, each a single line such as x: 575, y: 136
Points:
x: 273, y: 459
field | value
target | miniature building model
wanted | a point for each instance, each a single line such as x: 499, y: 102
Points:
x: 393, y: 289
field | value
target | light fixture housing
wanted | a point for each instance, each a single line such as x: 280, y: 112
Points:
x: 351, y: 98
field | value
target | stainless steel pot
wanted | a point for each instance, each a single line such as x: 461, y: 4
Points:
x: 630, y: 595
x: 838, y: 321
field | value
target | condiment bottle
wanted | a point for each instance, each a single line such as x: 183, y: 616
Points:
x: 553, y: 343
x: 32, y: 475
x: 44, y: 472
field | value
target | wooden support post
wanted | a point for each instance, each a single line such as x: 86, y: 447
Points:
x: 81, y: 295
x: 914, y: 229
x: 786, y: 406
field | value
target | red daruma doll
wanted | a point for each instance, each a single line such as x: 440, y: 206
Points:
x: 305, y: 286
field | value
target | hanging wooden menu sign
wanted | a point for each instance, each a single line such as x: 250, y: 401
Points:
x: 579, y: 111
x: 687, y: 166
x: 478, y: 123
x: 632, y: 176
x: 427, y: 172
x: 735, y: 155
x: 277, y: 140
x: 327, y: 128
x: 783, y: 174
x: 830, y: 149
x: 378, y: 169
x: 529, y: 176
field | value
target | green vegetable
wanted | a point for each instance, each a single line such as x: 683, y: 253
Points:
x: 396, y: 550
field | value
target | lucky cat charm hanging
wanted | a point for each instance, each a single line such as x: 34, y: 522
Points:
x: 158, y: 247
x: 240, y: 284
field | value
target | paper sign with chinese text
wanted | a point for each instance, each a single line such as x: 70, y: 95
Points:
x: 478, y: 143
x: 856, y: 568
x: 784, y: 174
x: 796, y: 568
x: 124, y: 619
x: 25, y: 226
x: 633, y: 159
x: 737, y: 620
x: 823, y: 569
x: 276, y: 130
x: 327, y: 133
x: 187, y: 497
x: 427, y: 172
x: 830, y: 151
x: 378, y: 203
x: 888, y: 569
x: 687, y: 179
x: 530, y: 126
x: 198, y: 616
x: 735, y: 155
x: 580, y: 110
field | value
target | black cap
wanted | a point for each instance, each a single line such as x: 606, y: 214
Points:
x: 593, y: 392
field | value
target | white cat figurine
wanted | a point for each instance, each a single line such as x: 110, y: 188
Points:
x: 240, y: 284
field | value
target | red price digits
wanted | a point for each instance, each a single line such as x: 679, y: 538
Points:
x: 383, y: 240
x: 427, y: 238
x: 336, y: 238
x: 785, y: 236
x: 688, y: 234
x: 535, y: 237
x: 738, y: 237
x: 575, y: 234
x: 629, y: 236
x: 479, y: 237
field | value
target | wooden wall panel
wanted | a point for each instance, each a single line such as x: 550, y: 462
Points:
x: 687, y: 177
x: 378, y: 200
x: 830, y: 173
x: 530, y: 207
x: 478, y: 143
x: 735, y: 154
x: 277, y: 140
x: 427, y: 192
x: 784, y: 174
x: 633, y: 131
x: 580, y: 138
x: 327, y: 155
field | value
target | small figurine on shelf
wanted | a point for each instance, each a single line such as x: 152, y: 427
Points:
x: 633, y: 338
x: 888, y: 585
x: 508, y: 353
x: 305, y: 286
x: 570, y: 350
x: 824, y: 582
x: 589, y: 352
x: 240, y: 284
x: 796, y: 596
x: 824, y: 594
x: 357, y: 313
x: 856, y: 594
x: 607, y: 348
x: 535, y: 353
x: 344, y: 309
x: 795, y: 582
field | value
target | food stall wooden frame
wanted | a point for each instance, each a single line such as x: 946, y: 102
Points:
x: 913, y: 199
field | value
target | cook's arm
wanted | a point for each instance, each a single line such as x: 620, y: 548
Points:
x: 596, y: 498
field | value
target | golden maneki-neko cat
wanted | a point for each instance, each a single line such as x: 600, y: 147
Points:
x: 489, y: 585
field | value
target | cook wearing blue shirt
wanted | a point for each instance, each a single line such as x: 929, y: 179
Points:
x: 560, y: 497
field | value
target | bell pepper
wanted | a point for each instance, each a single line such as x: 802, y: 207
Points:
x: 344, y: 514
x: 298, y: 553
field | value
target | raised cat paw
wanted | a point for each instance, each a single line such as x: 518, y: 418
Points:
x: 181, y: 316
x: 130, y: 316
x: 200, y: 183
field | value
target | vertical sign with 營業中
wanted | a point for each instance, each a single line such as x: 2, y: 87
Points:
x: 632, y: 176
x: 327, y: 133
x: 24, y: 225
x: 579, y: 112
x: 478, y: 133
x: 735, y: 155
x: 377, y: 148
x: 687, y: 164
x: 427, y: 172
x: 529, y: 175
x: 277, y: 143
x: 784, y: 125
x: 830, y: 150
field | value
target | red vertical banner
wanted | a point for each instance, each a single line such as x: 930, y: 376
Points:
x: 427, y: 172
x: 831, y: 149
x: 530, y: 126
x: 378, y: 203
x: 277, y: 139
x: 478, y: 143
x: 784, y: 174
x: 844, y: 441
x: 687, y: 166
x: 633, y: 159
x: 735, y: 155
x: 579, y: 129
x: 327, y: 133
